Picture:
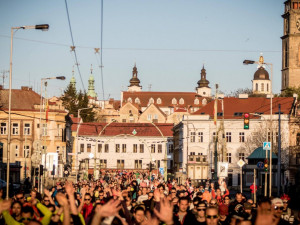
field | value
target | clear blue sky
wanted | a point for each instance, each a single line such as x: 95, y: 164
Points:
x: 168, y: 39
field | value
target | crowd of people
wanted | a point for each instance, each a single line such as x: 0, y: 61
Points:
x: 130, y: 199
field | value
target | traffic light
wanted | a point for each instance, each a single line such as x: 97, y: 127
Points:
x: 266, y: 166
x: 41, y: 170
x: 246, y: 121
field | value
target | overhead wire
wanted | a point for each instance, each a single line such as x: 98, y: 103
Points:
x: 73, y: 47
x: 101, y: 52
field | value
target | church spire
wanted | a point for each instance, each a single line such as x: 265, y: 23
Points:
x: 134, y: 81
x: 203, y: 89
x: 73, y: 81
x: 91, y: 88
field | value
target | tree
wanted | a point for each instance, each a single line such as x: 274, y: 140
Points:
x: 70, y: 99
x: 87, y: 115
x: 288, y: 92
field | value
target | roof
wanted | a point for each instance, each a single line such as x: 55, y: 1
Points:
x: 166, y: 98
x: 236, y: 107
x: 113, y: 129
x: 180, y: 110
x: 260, y: 153
x: 261, y: 74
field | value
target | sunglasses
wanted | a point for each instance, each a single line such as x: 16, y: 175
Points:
x: 173, y: 192
x: 199, y: 210
x: 45, y: 200
x: 213, y: 203
x: 20, y: 198
x: 285, y: 202
x: 211, y: 216
x: 278, y: 208
x: 87, y: 199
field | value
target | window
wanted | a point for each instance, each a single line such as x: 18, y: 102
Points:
x: 27, y: 129
x: 149, y: 117
x: 181, y: 101
x: 99, y: 148
x: 171, y: 148
x: 123, y: 148
x: 192, y: 153
x: 193, y: 138
x: 134, y: 148
x: 242, y: 137
x: 151, y: 101
x: 267, y: 87
x: 200, y: 136
x: 269, y: 136
x: 196, y: 101
x: 256, y: 87
x: 129, y: 100
x: 153, y: 148
x: 123, y: 120
x: 204, y: 101
x: 276, y: 137
x: 81, y: 147
x: 44, y: 129
x: 262, y: 87
x: 242, y: 156
x: 158, y: 101
x: 26, y: 151
x: 137, y: 101
x: 174, y: 101
x: 15, y: 129
x: 159, y: 148
x: 89, y: 147
x: 3, y: 128
x: 141, y: 148
x: 214, y: 136
x: 158, y: 163
x: 17, y: 152
x: 155, y: 116
x: 106, y: 148
x: 228, y: 157
x: 103, y: 163
x: 228, y: 136
x: 138, y: 164
x: 117, y: 148
x: 120, y: 163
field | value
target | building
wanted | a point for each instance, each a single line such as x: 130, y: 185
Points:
x: 195, y: 136
x: 28, y: 121
x: 122, y: 146
x: 291, y: 44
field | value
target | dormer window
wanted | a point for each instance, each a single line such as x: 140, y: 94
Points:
x: 196, y: 101
x: 174, y: 101
x: 151, y: 101
x: 204, y: 101
x: 137, y: 101
x: 181, y: 101
x: 129, y: 100
x: 158, y: 101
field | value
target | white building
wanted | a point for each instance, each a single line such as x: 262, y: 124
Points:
x: 195, y: 135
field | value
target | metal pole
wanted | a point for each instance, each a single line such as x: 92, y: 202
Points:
x: 9, y: 115
x: 279, y: 153
x: 241, y: 179
x: 217, y: 134
x: 254, y: 178
x: 40, y: 137
x: 271, y: 125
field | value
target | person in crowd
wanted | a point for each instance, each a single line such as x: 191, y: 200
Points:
x: 212, y: 216
x: 224, y: 215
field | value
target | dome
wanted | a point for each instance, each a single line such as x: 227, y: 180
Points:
x: 134, y: 81
x: 203, y: 82
x: 261, y: 74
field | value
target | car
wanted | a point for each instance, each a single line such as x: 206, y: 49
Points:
x: 3, y: 184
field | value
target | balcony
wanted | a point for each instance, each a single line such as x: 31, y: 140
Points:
x: 197, y: 159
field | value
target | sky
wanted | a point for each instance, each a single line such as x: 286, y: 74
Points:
x: 168, y: 40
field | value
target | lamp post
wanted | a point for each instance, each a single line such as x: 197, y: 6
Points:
x: 42, y: 27
x: 43, y: 81
x: 261, y: 62
x: 78, y: 116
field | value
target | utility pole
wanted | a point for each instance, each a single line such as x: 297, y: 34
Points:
x: 216, y: 138
x: 279, y: 153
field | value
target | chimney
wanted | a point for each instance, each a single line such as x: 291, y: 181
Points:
x: 24, y: 88
x: 243, y: 96
x: 1, y: 87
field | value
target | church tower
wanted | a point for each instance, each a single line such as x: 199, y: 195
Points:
x: 134, y: 81
x: 290, y: 73
x: 73, y: 80
x: 91, y: 89
x: 261, y: 83
x: 203, y: 89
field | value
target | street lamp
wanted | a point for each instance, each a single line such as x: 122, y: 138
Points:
x: 43, y: 81
x: 260, y: 63
x: 42, y: 27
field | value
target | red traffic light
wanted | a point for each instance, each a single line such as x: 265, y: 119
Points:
x: 246, y: 115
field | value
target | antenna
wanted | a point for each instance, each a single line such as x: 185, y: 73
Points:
x: 149, y: 87
x: 3, y: 76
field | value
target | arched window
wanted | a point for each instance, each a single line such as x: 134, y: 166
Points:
x: 158, y: 101
x: 256, y: 87
x: 129, y: 100
x: 267, y: 87
x: 137, y: 101
x: 181, y: 101
x: 151, y: 101
x: 204, y: 101
x: 262, y: 87
x: 196, y: 101
x: 174, y: 101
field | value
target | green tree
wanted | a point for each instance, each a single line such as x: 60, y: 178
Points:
x: 87, y: 115
x: 288, y: 92
x: 70, y: 99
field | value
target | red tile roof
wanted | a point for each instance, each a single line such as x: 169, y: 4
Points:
x: 234, y: 105
x: 166, y: 98
x: 180, y: 110
x: 113, y: 129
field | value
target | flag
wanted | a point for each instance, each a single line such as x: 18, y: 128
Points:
x: 215, y: 111
x: 47, y: 110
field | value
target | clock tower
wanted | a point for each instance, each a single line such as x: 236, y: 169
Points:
x: 290, y: 73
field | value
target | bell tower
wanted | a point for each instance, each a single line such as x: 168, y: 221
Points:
x: 290, y: 73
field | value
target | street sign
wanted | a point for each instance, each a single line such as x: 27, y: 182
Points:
x: 161, y: 170
x: 241, y: 163
x: 260, y: 165
x: 267, y: 145
x: 222, y: 169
